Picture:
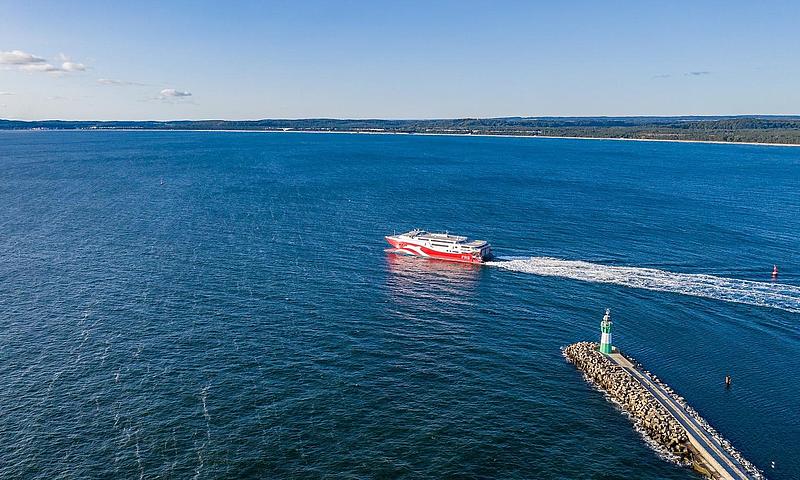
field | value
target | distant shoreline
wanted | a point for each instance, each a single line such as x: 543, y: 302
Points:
x: 718, y: 142
x: 357, y: 132
x: 768, y: 130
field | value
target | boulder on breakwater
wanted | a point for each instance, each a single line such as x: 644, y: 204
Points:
x: 647, y: 413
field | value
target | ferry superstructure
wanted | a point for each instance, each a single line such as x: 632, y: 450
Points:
x: 443, y: 246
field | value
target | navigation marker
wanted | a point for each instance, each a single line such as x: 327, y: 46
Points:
x: 605, y: 329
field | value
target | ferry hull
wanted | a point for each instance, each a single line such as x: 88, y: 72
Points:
x: 410, y: 248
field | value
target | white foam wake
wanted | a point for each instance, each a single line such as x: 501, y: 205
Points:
x: 774, y: 295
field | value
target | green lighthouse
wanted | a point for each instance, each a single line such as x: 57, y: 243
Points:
x: 605, y: 336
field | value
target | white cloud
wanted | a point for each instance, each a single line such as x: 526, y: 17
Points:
x: 32, y: 63
x: 119, y: 83
x: 6, y: 93
x: 68, y: 65
x: 173, y: 96
x: 172, y: 93
x: 73, y: 67
x: 40, y: 67
x: 18, y: 57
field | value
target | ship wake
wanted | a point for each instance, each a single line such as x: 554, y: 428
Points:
x: 763, y: 294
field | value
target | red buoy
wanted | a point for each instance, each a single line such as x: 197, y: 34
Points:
x: 774, y: 271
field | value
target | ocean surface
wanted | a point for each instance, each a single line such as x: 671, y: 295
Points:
x: 242, y: 319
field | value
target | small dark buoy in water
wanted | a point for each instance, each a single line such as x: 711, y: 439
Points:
x: 727, y: 381
x: 774, y: 271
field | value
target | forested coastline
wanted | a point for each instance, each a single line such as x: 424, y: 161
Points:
x: 756, y: 129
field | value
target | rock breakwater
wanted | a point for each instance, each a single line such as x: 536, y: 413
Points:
x: 647, y: 414
x: 615, y: 377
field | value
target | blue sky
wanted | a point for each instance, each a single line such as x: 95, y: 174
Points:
x: 400, y: 59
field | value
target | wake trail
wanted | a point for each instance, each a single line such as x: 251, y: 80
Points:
x: 763, y: 294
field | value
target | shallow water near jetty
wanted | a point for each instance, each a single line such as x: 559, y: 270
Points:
x: 243, y: 319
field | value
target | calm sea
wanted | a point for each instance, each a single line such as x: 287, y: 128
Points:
x: 242, y: 320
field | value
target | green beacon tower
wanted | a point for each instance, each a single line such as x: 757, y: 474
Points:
x: 605, y: 336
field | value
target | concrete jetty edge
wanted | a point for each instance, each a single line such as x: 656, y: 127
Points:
x: 670, y: 426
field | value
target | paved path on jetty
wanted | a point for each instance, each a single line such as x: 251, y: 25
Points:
x: 714, y: 455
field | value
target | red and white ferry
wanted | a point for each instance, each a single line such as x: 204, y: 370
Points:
x: 441, y: 245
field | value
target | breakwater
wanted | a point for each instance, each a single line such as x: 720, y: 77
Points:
x: 662, y: 416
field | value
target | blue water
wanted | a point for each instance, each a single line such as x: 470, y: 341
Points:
x: 243, y: 319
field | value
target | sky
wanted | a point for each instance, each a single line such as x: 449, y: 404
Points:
x: 162, y: 60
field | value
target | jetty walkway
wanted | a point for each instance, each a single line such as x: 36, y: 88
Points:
x: 715, y: 458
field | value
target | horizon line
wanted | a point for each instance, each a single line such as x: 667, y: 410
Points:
x: 412, y: 119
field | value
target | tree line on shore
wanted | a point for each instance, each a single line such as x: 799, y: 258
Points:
x: 757, y: 129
